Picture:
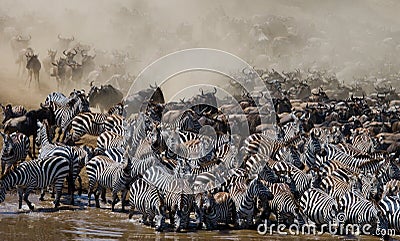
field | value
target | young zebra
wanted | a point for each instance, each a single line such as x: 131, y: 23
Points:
x: 244, y: 196
x: 15, y: 148
x: 145, y: 198
x: 38, y: 173
x: 117, y: 177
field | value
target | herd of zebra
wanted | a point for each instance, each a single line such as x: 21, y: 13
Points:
x: 306, y: 172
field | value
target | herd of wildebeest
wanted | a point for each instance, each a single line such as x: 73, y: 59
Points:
x: 327, y: 150
x: 331, y: 150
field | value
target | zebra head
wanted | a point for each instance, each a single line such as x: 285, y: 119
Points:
x: 7, y: 145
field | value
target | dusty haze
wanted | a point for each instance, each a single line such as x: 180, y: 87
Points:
x: 350, y: 38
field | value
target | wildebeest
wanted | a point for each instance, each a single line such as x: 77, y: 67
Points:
x: 138, y: 100
x: 50, y: 58
x: 27, y: 124
x: 12, y: 111
x: 63, y: 43
x: 18, y: 42
x: 62, y: 71
x: 33, y: 65
x: 104, y: 97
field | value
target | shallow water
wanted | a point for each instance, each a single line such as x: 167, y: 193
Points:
x: 82, y: 223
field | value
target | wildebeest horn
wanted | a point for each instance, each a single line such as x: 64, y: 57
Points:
x: 91, y: 83
x: 215, y: 90
x: 54, y: 64
x: 201, y: 90
x: 182, y: 100
x: 75, y: 51
x: 64, y: 52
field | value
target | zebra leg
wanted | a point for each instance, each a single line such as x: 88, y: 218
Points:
x: 42, y: 193
x: 114, y: 201
x: 131, y: 211
x: 80, y: 185
x: 71, y: 188
x: 58, y: 186
x: 96, y: 197
x: 123, y: 199
x: 103, y: 195
x: 20, y: 191
x: 26, y: 195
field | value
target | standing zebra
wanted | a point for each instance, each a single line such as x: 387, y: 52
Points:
x: 108, y: 140
x: 244, y: 200
x: 94, y: 168
x: 15, y: 148
x: 284, y: 204
x: 319, y: 207
x: 38, y: 173
x: 92, y: 123
x: 145, y: 198
x: 117, y: 177
x: 218, y: 208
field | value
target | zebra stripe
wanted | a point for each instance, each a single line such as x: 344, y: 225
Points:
x: 38, y: 173
x: 145, y: 198
x: 15, y: 148
x: 117, y: 177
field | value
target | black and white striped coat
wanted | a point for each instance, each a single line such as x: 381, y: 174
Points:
x: 15, y: 148
x: 38, y: 173
x: 145, y: 198
x: 118, y: 178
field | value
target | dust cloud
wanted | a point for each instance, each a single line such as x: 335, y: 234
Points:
x: 352, y: 39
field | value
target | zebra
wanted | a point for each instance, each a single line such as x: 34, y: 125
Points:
x: 56, y: 97
x: 91, y: 123
x: 12, y: 111
x: 360, y: 211
x: 391, y: 208
x: 108, y: 140
x: 15, y: 148
x: 284, y: 204
x: 312, y: 150
x: 364, y: 143
x: 116, y: 154
x: 336, y: 187
x: 117, y: 177
x: 318, y: 206
x: 217, y: 208
x: 244, y: 200
x: 77, y: 157
x: 64, y: 114
x: 333, y: 152
x: 175, y: 194
x: 94, y: 168
x: 146, y: 198
x: 115, y: 123
x: 38, y: 173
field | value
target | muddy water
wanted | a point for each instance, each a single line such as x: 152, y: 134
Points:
x: 82, y: 223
